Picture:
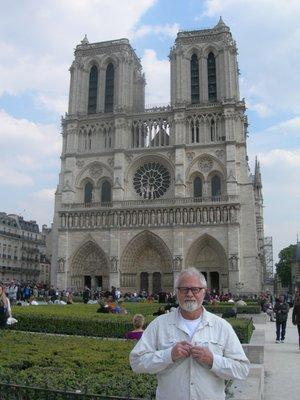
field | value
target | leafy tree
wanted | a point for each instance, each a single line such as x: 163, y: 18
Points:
x: 283, y: 267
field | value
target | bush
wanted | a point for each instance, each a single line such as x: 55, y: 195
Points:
x: 72, y: 363
x: 82, y: 319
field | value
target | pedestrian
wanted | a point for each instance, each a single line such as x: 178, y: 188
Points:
x: 281, y: 310
x: 296, y: 313
x: 5, y: 310
x: 191, y: 350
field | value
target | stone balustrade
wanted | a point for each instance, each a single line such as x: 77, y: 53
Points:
x: 151, y: 217
x: 153, y: 202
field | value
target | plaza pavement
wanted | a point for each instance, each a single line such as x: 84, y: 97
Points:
x: 282, y: 363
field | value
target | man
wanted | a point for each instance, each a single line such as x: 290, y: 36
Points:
x: 191, y: 350
x: 281, y: 309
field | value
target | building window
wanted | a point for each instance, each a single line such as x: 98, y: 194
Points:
x: 93, y: 90
x: 106, y: 192
x: 194, y: 79
x: 211, y: 77
x: 197, y: 187
x: 216, y: 186
x: 88, y: 192
x: 109, y: 88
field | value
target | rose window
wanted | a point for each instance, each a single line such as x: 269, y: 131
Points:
x: 151, y: 180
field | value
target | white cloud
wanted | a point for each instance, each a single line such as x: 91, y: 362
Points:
x: 37, y: 39
x: 157, y: 77
x: 268, y: 38
x: 165, y: 30
x: 45, y: 194
x: 280, y: 157
x: 10, y: 176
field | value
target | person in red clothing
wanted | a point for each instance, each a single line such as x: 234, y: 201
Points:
x: 138, y: 323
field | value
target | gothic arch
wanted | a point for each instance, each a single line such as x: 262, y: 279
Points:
x: 209, y: 256
x: 147, y: 254
x: 93, y: 166
x: 193, y: 50
x: 211, y: 49
x: 194, y: 166
x: 89, y: 260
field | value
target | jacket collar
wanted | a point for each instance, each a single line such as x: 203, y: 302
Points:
x: 208, y: 318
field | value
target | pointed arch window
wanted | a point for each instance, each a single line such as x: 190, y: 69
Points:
x: 93, y: 90
x: 194, y: 79
x: 216, y: 186
x: 106, y: 192
x: 211, y: 77
x: 197, y: 187
x: 88, y: 192
x: 109, y: 88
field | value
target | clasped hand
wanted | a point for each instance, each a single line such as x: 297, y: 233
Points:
x: 185, y: 349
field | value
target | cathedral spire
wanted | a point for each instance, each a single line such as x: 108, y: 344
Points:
x: 257, y: 175
x: 85, y: 40
x: 221, y: 23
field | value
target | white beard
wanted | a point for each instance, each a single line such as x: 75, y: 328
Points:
x: 190, y: 305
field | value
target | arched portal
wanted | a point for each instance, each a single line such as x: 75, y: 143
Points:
x: 209, y: 257
x: 146, y: 261
x: 89, y: 267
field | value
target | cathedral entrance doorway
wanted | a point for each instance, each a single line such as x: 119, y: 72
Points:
x: 144, y: 284
x: 90, y: 268
x: 146, y: 265
x: 208, y: 256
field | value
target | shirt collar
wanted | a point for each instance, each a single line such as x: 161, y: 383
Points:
x: 207, y: 317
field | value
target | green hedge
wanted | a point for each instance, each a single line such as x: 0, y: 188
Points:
x: 100, y: 325
x: 219, y: 308
x: 72, y: 363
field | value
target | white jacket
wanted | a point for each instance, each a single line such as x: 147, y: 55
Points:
x: 186, y: 379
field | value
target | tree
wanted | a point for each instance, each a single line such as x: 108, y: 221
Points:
x: 284, y: 265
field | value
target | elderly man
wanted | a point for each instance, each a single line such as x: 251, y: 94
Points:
x: 191, y: 350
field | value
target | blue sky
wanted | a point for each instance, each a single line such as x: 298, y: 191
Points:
x: 37, y: 40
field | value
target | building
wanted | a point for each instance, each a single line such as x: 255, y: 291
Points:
x: 21, y: 249
x: 143, y: 193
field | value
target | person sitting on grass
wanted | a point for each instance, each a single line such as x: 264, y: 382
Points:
x: 5, y: 310
x: 119, y: 308
x: 138, y: 323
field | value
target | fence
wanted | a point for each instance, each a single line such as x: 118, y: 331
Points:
x: 10, y: 391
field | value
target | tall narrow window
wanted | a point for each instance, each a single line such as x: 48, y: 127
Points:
x: 109, y: 88
x: 211, y: 77
x: 88, y: 192
x: 106, y: 192
x: 194, y: 79
x: 93, y: 89
x: 216, y: 186
x: 197, y: 187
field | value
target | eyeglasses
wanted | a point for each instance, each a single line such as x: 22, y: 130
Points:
x: 194, y: 290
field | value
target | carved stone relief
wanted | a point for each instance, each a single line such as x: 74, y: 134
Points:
x: 95, y: 171
x: 114, y: 264
x: 205, y: 164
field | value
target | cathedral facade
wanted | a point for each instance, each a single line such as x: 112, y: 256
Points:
x: 144, y: 193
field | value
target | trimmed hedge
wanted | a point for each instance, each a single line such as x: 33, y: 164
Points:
x: 72, y: 363
x: 220, y: 308
x: 63, y: 320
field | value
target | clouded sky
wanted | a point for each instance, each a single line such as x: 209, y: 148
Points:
x: 37, y: 40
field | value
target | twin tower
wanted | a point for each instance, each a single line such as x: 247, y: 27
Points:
x: 144, y: 193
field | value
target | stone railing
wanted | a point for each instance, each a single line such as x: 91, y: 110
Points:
x: 151, y: 217
x: 153, y: 202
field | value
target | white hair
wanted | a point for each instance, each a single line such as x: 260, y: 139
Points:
x: 191, y: 271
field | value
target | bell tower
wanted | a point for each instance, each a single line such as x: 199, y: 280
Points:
x: 106, y: 77
x: 204, y: 66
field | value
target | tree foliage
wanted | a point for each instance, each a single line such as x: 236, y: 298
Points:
x: 284, y: 265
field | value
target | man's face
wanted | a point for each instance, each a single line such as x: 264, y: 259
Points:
x: 190, y: 301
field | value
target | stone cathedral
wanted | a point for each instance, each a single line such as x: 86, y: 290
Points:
x: 144, y: 193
